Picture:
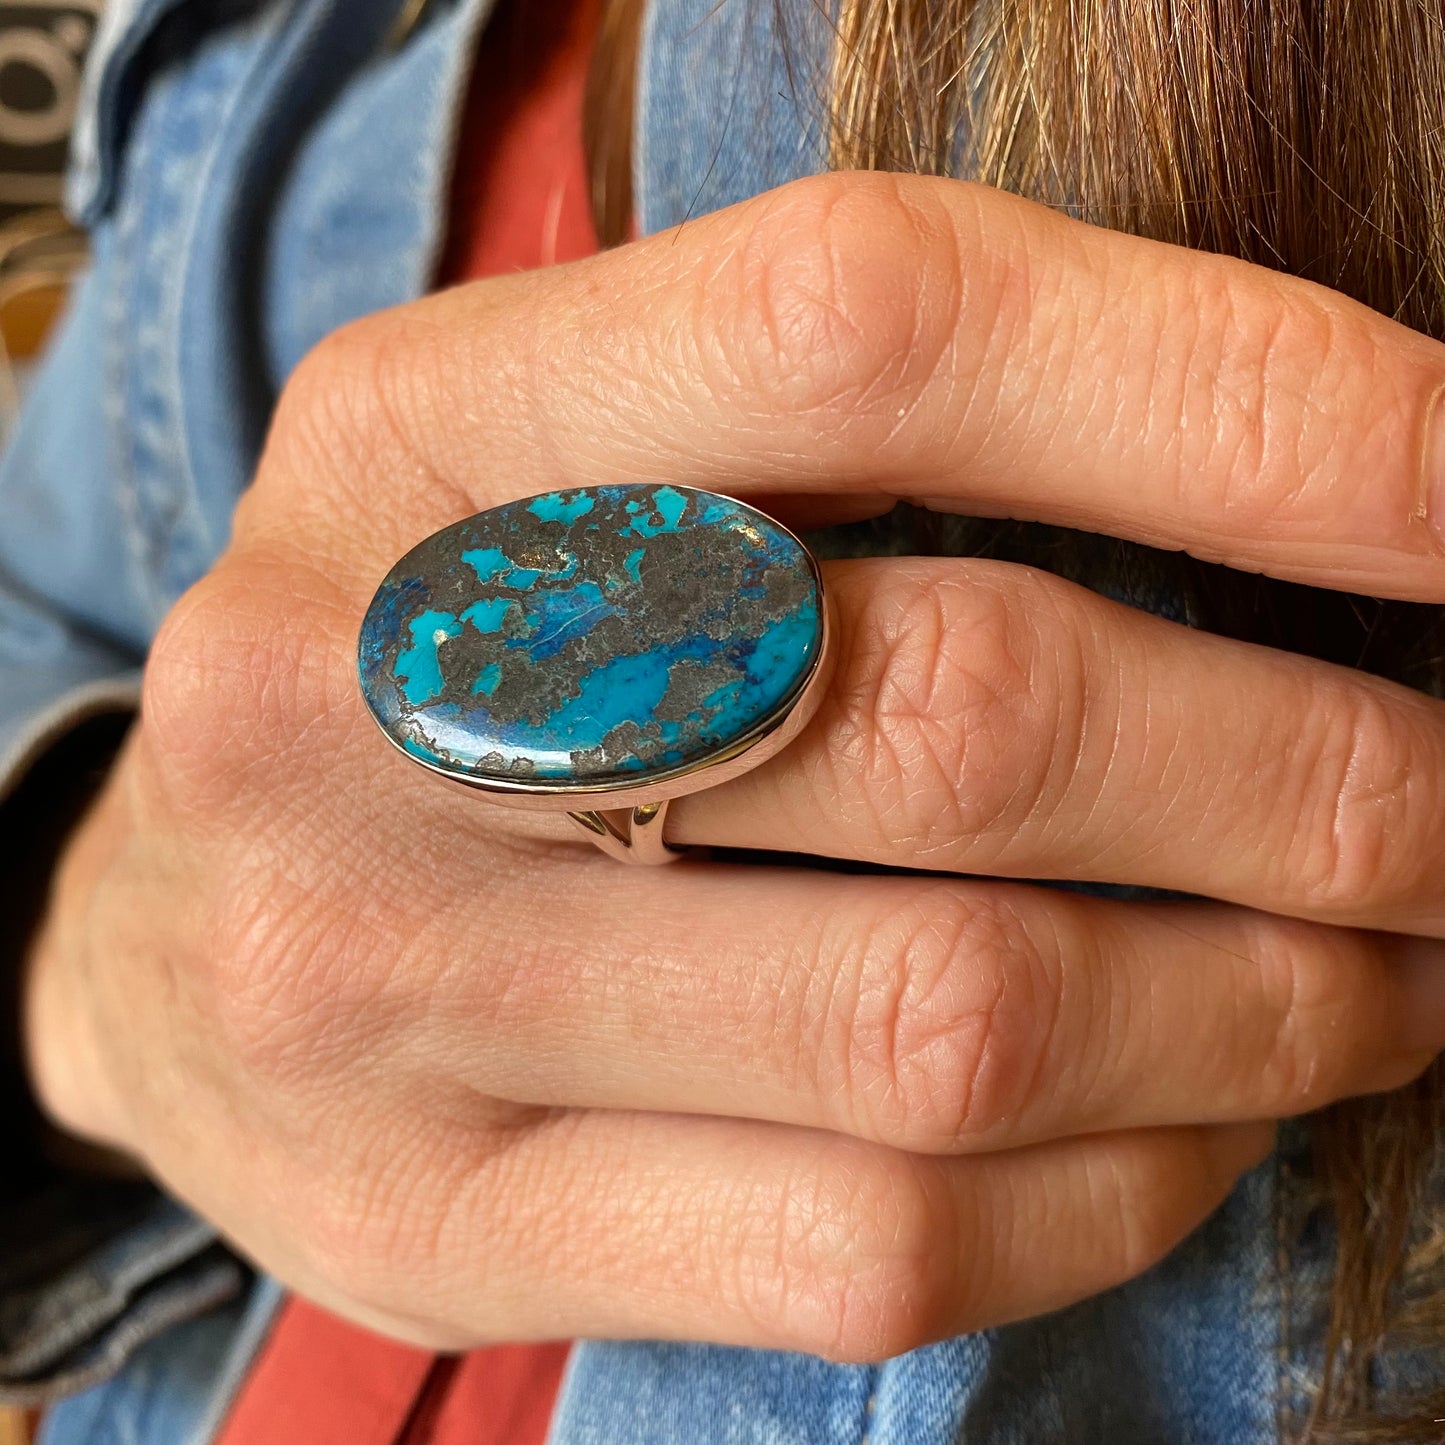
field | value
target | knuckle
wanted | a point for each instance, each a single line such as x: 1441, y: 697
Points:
x: 174, y: 698
x: 941, y: 1041
x: 1243, y: 393
x: 1134, y: 1206
x: 841, y: 297
x: 1319, y: 1000
x: 857, y: 1275
x: 201, y: 680
x: 1369, y: 806
x: 227, y: 683
x: 1294, y: 379
x: 941, y: 716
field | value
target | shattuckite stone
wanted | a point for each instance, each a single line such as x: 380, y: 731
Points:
x: 591, y: 637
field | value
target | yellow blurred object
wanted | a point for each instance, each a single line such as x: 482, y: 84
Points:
x: 26, y: 317
x: 40, y: 253
x: 14, y: 1427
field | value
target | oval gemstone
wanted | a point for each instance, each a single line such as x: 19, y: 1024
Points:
x: 592, y: 638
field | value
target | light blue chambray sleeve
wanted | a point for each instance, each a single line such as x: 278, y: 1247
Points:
x: 89, y: 1270
x: 254, y: 174
x: 71, y: 628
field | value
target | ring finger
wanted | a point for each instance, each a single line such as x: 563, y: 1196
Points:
x: 932, y: 1015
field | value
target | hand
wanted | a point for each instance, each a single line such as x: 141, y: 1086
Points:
x: 460, y: 1077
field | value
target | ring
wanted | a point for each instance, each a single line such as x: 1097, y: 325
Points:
x: 599, y: 651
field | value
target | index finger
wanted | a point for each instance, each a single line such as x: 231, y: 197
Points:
x: 877, y: 337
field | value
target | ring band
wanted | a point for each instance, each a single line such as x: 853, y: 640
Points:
x: 599, y: 651
x: 633, y: 836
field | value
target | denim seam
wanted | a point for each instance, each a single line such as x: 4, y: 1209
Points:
x: 180, y: 1302
x: 78, y: 1305
x: 264, y: 32
x: 870, y: 1404
x: 127, y: 355
x: 113, y: 403
x: 641, y: 108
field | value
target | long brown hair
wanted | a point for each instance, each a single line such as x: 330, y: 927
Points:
x: 1304, y: 135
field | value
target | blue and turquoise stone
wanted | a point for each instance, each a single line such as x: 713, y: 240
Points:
x: 595, y: 637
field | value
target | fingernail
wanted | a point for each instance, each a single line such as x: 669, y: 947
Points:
x: 1420, y: 968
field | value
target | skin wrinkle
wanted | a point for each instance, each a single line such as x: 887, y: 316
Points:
x: 796, y: 339
x: 1301, y: 482
x: 1109, y: 1012
x: 938, y: 1101
x: 1136, y: 773
x: 1243, y: 1019
x: 1301, y: 1076
x: 1251, y: 1016
x: 1432, y: 430
x: 760, y: 1293
x: 1135, y: 1246
x: 922, y: 366
x: 1080, y: 723
x: 980, y: 788
x: 1346, y: 857
x: 842, y: 943
x: 1070, y: 315
x: 782, y: 1009
x: 1009, y: 332
x: 305, y: 1012
x: 1048, y: 1020
x: 1234, y: 391
x: 450, y: 1212
x: 797, y: 1221
x: 1157, y: 776
x: 391, y: 1218
x: 894, y: 721
x: 887, y: 1292
x: 990, y: 304
x: 839, y: 1028
x: 910, y: 1033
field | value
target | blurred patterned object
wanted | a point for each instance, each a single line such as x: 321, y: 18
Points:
x: 42, y: 48
x: 43, y: 44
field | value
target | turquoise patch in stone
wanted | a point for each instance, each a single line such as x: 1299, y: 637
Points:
x: 418, y: 668
x: 591, y: 637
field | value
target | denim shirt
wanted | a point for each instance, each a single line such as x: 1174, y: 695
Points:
x: 255, y: 173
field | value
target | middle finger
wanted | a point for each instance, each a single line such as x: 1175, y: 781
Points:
x: 987, y: 718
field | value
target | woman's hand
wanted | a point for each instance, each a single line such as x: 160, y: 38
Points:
x: 459, y: 1076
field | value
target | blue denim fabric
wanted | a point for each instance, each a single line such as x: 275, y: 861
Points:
x: 258, y: 172
x: 228, y: 233
x: 176, y: 1388
x: 124, y: 1268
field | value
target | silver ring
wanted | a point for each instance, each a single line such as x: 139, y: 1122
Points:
x: 599, y: 652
